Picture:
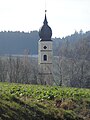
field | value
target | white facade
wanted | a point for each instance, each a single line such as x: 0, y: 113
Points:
x: 45, y: 55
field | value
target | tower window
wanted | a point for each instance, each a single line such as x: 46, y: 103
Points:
x: 45, y: 47
x: 45, y: 57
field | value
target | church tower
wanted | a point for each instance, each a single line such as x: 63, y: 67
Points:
x: 45, y: 53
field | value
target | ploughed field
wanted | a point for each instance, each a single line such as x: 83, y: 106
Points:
x: 38, y: 102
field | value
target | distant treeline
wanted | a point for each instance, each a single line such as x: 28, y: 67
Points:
x: 71, y: 64
x: 17, y: 42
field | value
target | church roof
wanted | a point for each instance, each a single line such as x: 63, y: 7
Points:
x: 45, y: 31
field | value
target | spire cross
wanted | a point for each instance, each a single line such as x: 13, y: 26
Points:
x: 45, y: 7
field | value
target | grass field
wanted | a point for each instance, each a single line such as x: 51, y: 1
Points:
x: 36, y: 102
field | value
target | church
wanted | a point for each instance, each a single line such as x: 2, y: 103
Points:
x: 45, y: 53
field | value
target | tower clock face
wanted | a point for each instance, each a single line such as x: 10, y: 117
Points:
x: 45, y: 47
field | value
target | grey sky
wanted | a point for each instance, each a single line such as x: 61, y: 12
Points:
x: 64, y: 16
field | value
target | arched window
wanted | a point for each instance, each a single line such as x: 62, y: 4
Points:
x: 45, y: 57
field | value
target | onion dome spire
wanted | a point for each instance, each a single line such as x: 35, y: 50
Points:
x: 45, y: 31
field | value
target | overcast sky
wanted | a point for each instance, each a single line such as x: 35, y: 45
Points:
x: 64, y: 16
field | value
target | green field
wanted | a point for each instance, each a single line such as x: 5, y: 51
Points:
x: 36, y: 102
